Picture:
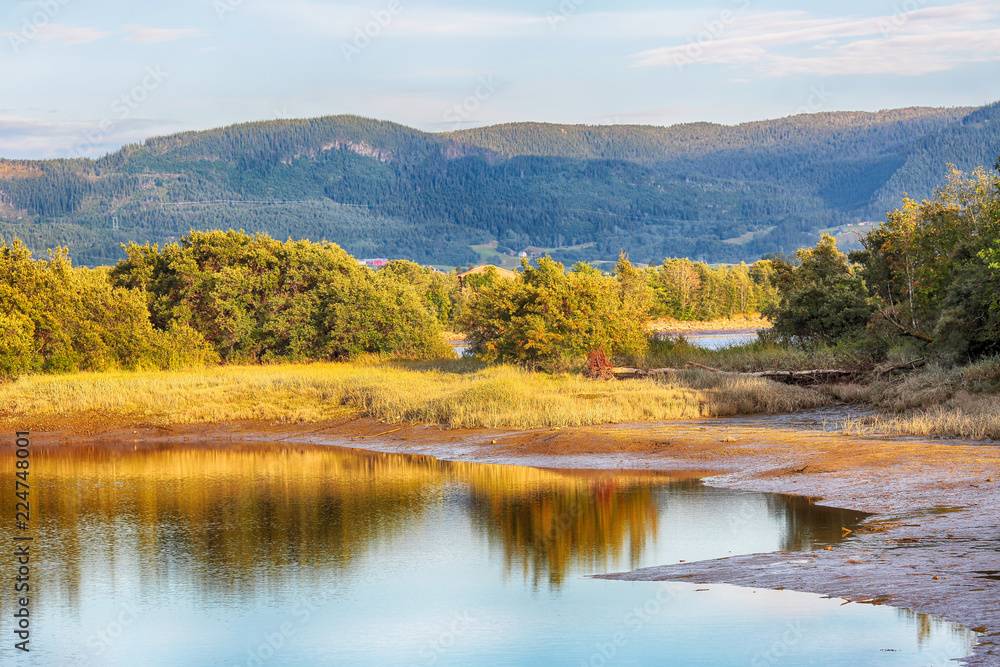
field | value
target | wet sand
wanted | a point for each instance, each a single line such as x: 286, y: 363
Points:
x: 931, y: 546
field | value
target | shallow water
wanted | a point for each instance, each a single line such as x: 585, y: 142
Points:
x: 302, y: 555
x: 713, y: 340
x: 828, y: 419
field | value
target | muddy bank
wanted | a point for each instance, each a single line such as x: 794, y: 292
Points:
x: 932, y: 546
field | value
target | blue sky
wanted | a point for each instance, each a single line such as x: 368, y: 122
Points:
x: 83, y: 77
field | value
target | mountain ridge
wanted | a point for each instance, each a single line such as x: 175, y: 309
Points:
x: 381, y: 188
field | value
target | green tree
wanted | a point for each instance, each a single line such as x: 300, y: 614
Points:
x: 257, y: 299
x: 57, y: 318
x: 439, y: 291
x: 823, y: 298
x: 929, y: 266
x: 550, y: 318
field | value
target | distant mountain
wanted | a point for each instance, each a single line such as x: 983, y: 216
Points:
x: 713, y: 192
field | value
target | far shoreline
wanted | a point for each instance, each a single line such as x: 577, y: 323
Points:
x: 740, y: 325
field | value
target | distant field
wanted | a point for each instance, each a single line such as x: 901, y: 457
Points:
x: 488, y: 252
x: 750, y: 321
x: 748, y: 237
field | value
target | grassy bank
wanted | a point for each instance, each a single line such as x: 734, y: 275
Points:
x: 963, y: 402
x: 938, y: 401
x: 935, y: 401
x: 451, y: 393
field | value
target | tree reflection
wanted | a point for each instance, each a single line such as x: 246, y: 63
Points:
x: 239, y: 521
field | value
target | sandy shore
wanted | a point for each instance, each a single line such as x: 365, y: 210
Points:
x: 751, y: 324
x: 932, y: 546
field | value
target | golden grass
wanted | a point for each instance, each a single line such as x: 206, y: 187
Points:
x: 458, y: 394
x: 958, y: 402
x: 965, y: 416
x: 748, y: 321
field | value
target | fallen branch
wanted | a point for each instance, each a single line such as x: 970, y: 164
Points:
x: 888, y: 317
x: 809, y: 377
x: 905, y: 366
x: 707, y: 368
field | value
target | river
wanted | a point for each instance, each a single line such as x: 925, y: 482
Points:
x: 277, y: 554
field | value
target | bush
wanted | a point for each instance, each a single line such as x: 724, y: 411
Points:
x: 821, y: 299
x: 257, y: 299
x: 55, y: 318
x: 549, y: 318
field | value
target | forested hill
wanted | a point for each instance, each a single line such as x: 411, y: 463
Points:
x: 706, y: 191
x: 645, y: 143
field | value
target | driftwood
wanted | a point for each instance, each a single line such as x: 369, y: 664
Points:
x: 905, y: 366
x: 810, y: 377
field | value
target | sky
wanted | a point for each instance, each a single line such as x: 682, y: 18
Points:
x: 82, y: 78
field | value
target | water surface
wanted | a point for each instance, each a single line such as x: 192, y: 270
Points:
x: 301, y: 555
x: 714, y: 340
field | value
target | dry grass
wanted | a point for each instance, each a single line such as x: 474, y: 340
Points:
x: 452, y: 393
x: 730, y: 395
x: 758, y: 355
x: 969, y: 418
x: 748, y: 321
x: 938, y: 402
x: 937, y: 386
x: 849, y: 392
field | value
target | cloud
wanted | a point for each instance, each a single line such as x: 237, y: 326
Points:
x: 786, y: 43
x: 146, y: 35
x: 342, y: 20
x: 566, y: 18
x: 70, y: 35
x: 58, y: 32
x: 31, y: 138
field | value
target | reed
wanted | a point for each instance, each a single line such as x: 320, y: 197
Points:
x: 457, y: 394
x: 979, y: 423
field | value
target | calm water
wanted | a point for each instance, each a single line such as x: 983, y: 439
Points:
x: 300, y: 555
x: 715, y: 341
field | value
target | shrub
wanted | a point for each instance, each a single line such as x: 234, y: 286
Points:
x: 257, y: 299
x: 551, y: 318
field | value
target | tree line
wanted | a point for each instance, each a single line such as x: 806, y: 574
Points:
x: 930, y: 275
x: 235, y: 297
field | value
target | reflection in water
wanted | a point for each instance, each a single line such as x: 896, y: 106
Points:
x: 549, y: 526
x: 593, y: 521
x: 230, y: 520
x: 256, y: 527
x: 250, y: 514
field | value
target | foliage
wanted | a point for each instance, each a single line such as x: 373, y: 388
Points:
x: 930, y: 270
x: 550, y: 318
x: 381, y: 189
x: 257, y: 299
x: 439, y: 291
x: 823, y: 298
x: 55, y: 318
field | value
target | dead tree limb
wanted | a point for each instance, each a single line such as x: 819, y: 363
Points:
x: 707, y: 368
x: 905, y: 329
